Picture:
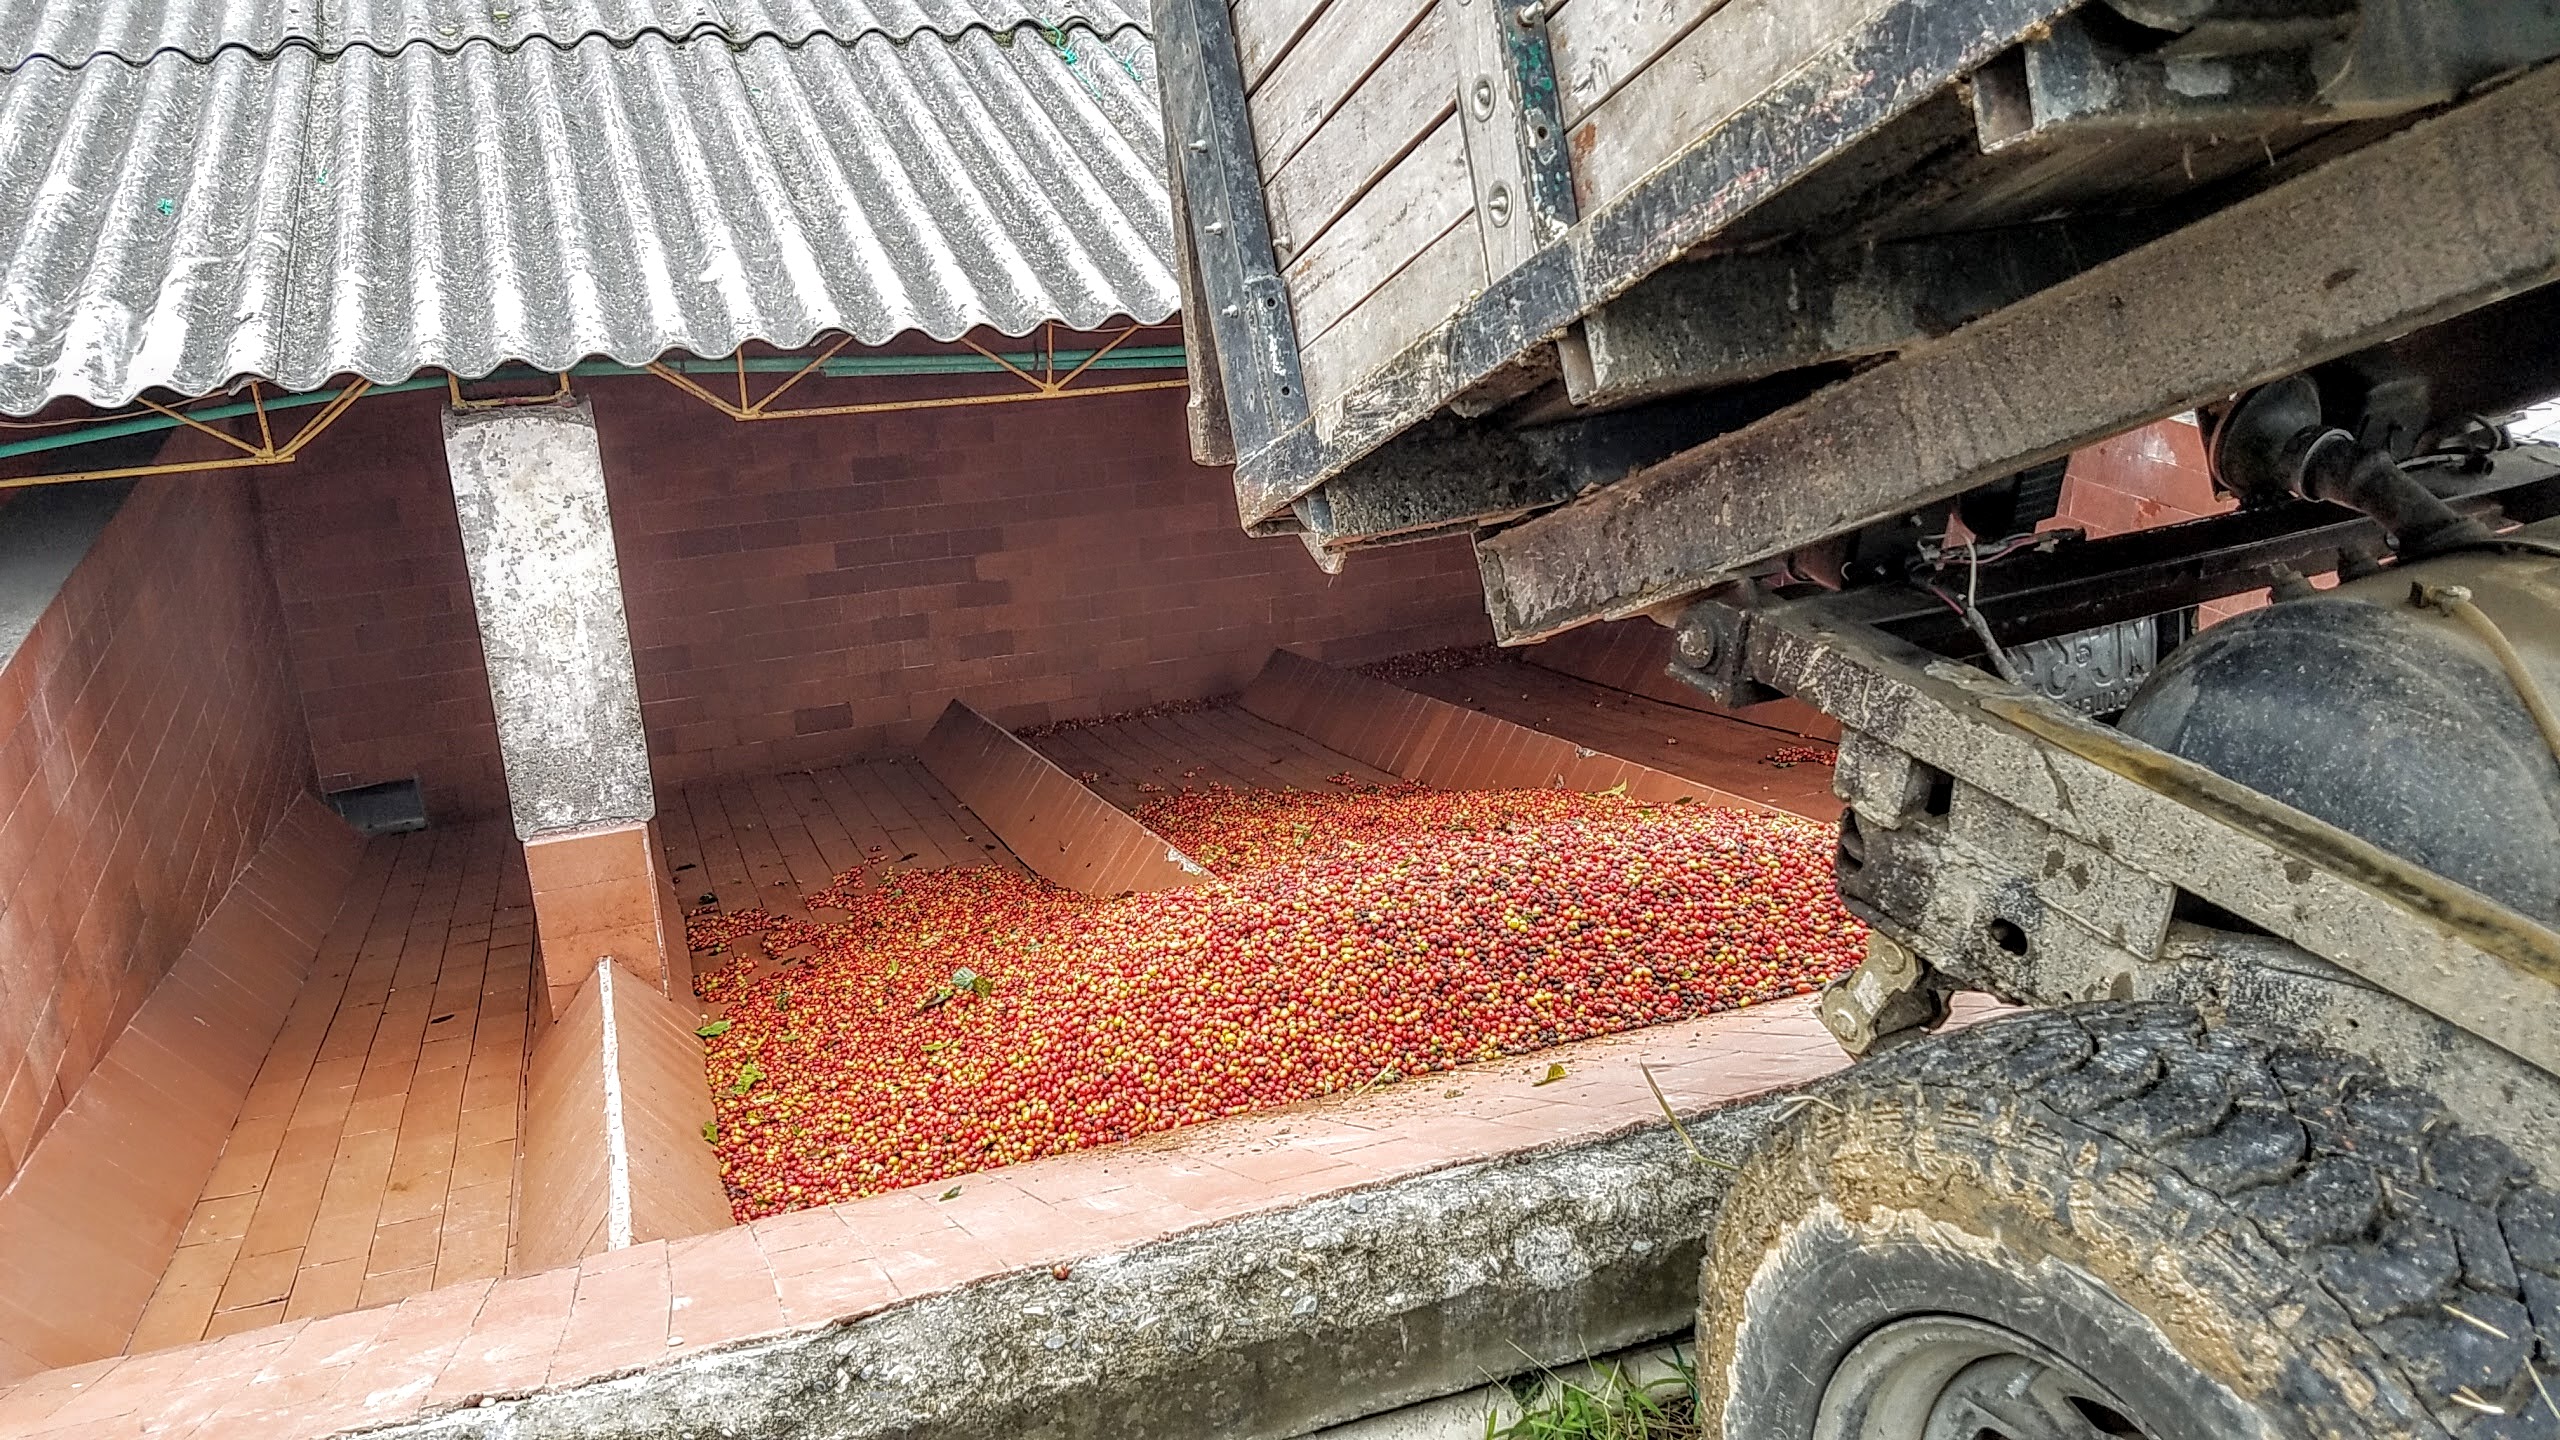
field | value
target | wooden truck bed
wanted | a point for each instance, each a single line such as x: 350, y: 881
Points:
x: 1365, y: 154
x: 1368, y: 181
x: 1451, y: 265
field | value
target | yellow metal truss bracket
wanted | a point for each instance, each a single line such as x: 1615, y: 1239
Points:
x: 264, y: 451
x: 459, y: 401
x: 1048, y: 385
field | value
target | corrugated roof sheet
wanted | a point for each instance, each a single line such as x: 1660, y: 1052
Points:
x: 74, y: 32
x: 300, y: 215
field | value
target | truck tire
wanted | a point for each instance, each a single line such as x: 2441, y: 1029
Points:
x: 2110, y: 1220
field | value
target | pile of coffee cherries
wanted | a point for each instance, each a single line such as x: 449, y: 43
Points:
x: 939, y: 1022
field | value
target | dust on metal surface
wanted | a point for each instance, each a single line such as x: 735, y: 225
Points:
x: 2476, y: 963
x: 306, y: 214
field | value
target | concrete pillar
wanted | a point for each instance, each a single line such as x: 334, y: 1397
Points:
x: 528, y: 484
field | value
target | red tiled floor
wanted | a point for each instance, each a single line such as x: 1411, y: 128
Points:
x: 340, y: 1184
x: 739, y: 844
x: 625, y: 1307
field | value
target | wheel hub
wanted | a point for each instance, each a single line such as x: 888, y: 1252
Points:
x: 1946, y: 1378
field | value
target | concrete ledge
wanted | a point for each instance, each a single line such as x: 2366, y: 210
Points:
x: 1269, y: 1327
x: 1067, y: 834
x: 735, y: 1290
x: 615, y: 1106
x: 1427, y: 739
x: 93, y: 1217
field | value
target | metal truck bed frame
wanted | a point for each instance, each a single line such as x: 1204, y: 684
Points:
x: 1590, y: 414
x: 1624, y: 423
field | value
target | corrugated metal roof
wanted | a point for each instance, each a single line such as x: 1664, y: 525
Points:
x: 136, y: 31
x: 297, y: 216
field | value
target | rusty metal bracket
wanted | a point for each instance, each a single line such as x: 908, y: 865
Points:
x: 1509, y: 112
x: 1887, y: 999
x: 2144, y: 826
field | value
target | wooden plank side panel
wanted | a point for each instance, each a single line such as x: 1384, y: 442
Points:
x: 1413, y: 204
x: 1600, y: 45
x: 1339, y: 49
x: 1265, y: 29
x: 1416, y: 298
x: 1402, y: 101
x: 1736, y: 54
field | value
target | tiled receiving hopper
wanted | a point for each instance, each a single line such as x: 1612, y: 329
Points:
x: 1062, y: 830
x: 105, y: 1198
x: 616, y: 1149
x: 1449, y: 746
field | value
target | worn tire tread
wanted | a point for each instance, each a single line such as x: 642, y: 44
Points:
x: 2437, y: 1246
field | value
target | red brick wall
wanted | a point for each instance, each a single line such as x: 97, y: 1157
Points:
x: 377, y: 606
x: 805, y: 590
x: 809, y: 590
x: 149, y: 742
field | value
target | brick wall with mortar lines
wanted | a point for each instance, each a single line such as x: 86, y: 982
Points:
x: 377, y: 605
x: 806, y: 591
x: 149, y: 743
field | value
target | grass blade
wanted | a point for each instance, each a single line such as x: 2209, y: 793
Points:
x: 1679, y: 1129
